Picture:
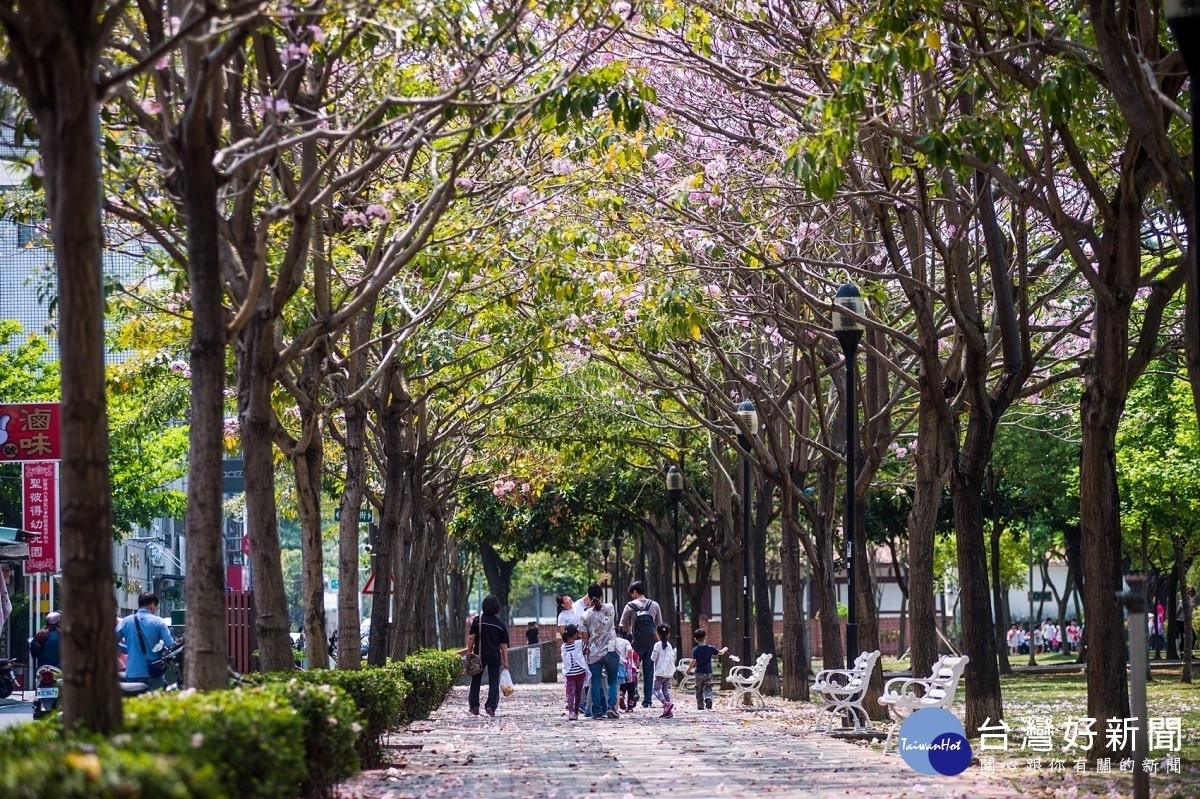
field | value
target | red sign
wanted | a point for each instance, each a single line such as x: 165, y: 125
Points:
x: 29, y: 432
x: 369, y: 588
x: 40, y: 481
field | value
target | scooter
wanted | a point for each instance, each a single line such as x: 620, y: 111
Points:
x: 8, y: 678
x: 48, y: 682
x: 172, y: 674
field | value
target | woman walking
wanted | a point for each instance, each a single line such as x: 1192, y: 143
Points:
x: 489, y: 639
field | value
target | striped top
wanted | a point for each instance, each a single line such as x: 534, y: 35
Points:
x: 572, y: 658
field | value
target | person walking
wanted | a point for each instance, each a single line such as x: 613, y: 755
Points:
x: 491, y: 635
x: 642, y: 617
x: 46, y: 647
x: 600, y: 642
x: 138, y: 636
x: 574, y: 668
x: 664, y: 669
x: 701, y: 666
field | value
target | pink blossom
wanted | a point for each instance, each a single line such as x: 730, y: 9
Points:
x: 604, y: 295
x: 717, y: 166
x: 613, y: 334
x: 901, y: 452
x: 572, y: 323
x: 38, y: 169
x: 232, y: 426
x: 952, y: 231
x: 377, y: 211
x: 463, y: 182
x: 750, y: 378
x: 663, y: 161
x: 354, y: 218
x: 279, y: 105
x: 713, y: 290
x: 562, y: 166
x: 178, y: 366
x: 621, y: 9
x: 318, y: 35
x: 295, y: 51
x: 162, y: 63
x: 519, y: 195
x: 776, y: 337
x: 631, y: 315
x: 606, y: 276
x: 696, y: 196
x: 151, y: 106
x: 715, y: 201
x: 386, y: 196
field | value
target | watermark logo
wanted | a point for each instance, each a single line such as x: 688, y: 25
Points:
x: 933, y: 741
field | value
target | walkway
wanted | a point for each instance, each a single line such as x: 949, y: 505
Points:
x: 531, y: 750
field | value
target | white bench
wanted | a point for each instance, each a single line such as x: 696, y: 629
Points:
x: 687, y: 682
x: 903, y: 695
x: 843, y: 691
x: 748, y: 680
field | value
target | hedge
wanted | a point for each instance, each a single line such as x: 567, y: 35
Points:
x: 40, y: 764
x: 285, y: 736
x: 431, y: 673
x: 377, y: 693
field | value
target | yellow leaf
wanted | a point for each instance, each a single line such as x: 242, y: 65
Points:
x: 933, y: 40
x: 695, y: 331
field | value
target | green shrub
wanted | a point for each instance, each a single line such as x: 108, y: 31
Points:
x: 377, y: 693
x: 431, y: 673
x: 253, y: 738
x: 40, y: 764
x: 331, y: 728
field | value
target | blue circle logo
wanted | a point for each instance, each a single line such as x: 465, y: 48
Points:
x: 933, y: 741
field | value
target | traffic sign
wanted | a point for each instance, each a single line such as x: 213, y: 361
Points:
x: 334, y: 583
x: 369, y: 588
x: 365, y: 515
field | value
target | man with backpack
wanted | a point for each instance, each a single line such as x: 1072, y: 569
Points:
x: 642, y: 617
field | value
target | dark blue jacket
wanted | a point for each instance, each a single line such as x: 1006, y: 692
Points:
x: 49, y: 653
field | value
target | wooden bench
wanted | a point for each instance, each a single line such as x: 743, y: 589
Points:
x: 843, y: 691
x: 748, y: 680
x: 903, y: 695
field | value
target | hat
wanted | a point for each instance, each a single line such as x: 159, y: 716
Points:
x: 53, y: 618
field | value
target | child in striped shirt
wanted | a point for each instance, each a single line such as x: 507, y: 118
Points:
x: 574, y: 669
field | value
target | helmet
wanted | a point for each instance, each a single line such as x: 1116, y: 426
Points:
x: 53, y: 618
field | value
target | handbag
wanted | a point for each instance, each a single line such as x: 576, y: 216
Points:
x: 472, y: 662
x: 156, y: 668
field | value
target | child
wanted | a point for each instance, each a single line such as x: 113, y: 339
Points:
x: 627, y: 671
x: 664, y: 669
x: 574, y: 667
x: 701, y: 666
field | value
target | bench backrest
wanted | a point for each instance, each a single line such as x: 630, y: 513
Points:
x: 864, y: 664
x: 761, y: 664
x: 947, y: 671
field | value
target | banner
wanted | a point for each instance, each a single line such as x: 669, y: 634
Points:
x: 29, y: 432
x: 40, y: 503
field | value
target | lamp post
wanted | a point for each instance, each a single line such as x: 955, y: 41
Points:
x: 849, y: 331
x: 1032, y: 621
x: 618, y: 602
x: 1134, y: 601
x: 1183, y: 18
x: 605, y: 548
x: 675, y: 492
x: 749, y: 418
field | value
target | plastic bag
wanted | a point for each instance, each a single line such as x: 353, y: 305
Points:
x: 506, y: 683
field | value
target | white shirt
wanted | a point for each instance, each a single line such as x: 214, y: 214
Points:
x: 572, y: 658
x: 572, y: 616
x: 664, y: 660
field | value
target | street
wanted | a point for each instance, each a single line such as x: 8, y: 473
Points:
x: 13, y: 713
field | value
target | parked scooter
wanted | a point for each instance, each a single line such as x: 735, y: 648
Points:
x: 8, y: 678
x: 172, y: 674
x: 48, y: 683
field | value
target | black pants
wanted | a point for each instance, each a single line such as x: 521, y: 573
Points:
x: 493, y: 674
x: 647, y: 667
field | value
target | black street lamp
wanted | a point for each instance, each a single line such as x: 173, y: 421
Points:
x: 605, y: 548
x: 675, y: 492
x: 1183, y: 18
x: 848, y: 331
x: 749, y: 418
x: 618, y: 601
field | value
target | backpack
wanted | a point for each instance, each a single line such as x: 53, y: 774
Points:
x: 645, y: 634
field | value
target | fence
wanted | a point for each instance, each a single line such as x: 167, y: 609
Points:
x: 240, y: 620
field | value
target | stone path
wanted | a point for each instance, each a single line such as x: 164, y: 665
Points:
x: 531, y: 750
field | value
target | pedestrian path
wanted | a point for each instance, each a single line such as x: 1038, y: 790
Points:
x: 531, y: 750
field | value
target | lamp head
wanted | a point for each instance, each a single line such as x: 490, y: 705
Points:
x: 605, y: 546
x: 848, y: 298
x: 674, y: 483
x: 749, y: 416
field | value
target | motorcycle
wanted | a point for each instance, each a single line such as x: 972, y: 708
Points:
x: 172, y: 674
x: 48, y: 682
x: 8, y: 678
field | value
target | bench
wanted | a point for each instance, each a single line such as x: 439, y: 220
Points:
x: 687, y: 682
x: 903, y: 695
x: 748, y: 680
x: 843, y: 691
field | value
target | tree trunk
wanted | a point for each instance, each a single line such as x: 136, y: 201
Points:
x: 1182, y: 564
x: 867, y: 613
x: 349, y: 631
x: 730, y: 566
x: 794, y: 656
x: 65, y: 105
x: 206, y: 665
x: 256, y: 356
x: 978, y: 637
x: 929, y: 483
x: 498, y: 572
x: 832, y: 655
x: 307, y: 464
x: 998, y: 590
x: 764, y: 613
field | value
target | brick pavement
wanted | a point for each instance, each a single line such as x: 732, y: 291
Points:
x: 531, y: 750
